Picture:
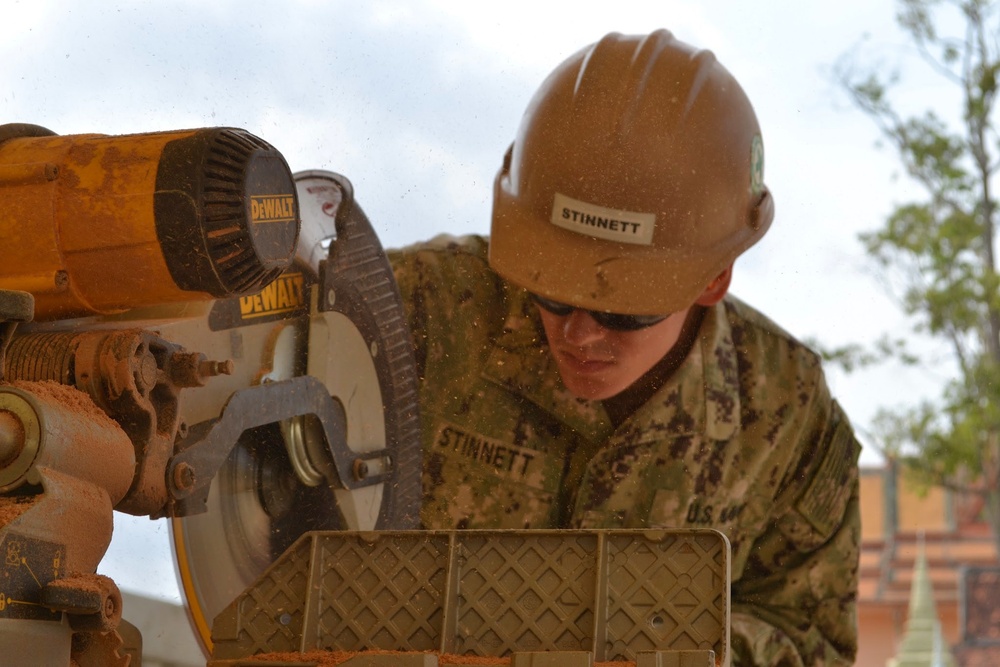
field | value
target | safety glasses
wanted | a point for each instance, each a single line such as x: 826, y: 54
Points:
x: 613, y: 321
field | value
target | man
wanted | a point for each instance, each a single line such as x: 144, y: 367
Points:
x: 585, y: 367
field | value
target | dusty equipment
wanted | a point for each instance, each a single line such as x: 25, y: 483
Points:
x: 166, y: 324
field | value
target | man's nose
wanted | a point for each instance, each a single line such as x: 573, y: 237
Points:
x: 580, y: 329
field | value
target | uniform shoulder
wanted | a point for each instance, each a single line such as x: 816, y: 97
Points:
x: 758, y: 336
x: 452, y: 268
x: 448, y: 275
x: 740, y: 313
x: 469, y: 246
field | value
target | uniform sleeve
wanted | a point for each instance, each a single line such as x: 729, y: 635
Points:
x: 796, y: 602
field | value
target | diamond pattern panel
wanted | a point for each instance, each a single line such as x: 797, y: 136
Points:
x: 525, y: 593
x: 269, y: 615
x: 667, y: 593
x: 385, y: 593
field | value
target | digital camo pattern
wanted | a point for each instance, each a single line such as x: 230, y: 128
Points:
x: 744, y: 438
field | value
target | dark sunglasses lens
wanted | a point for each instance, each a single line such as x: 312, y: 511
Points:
x: 554, y: 307
x: 617, y: 322
x: 613, y: 321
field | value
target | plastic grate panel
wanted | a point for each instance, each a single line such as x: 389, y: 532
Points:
x: 672, y: 592
x: 525, y: 594
x: 381, y: 592
x: 269, y: 615
x: 609, y: 593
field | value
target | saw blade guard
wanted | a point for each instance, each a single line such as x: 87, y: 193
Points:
x: 353, y: 462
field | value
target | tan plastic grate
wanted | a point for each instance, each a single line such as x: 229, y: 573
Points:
x: 612, y: 593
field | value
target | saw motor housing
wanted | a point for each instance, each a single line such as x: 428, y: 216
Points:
x: 102, y: 224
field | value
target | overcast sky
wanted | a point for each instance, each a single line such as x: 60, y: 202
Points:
x: 416, y: 101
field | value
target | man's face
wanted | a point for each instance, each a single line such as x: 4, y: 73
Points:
x: 597, y: 363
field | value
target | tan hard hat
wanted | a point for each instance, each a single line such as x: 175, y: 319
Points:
x: 635, y: 178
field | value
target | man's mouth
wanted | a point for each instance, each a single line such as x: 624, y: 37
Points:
x: 584, y: 363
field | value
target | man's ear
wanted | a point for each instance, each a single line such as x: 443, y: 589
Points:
x: 716, y: 289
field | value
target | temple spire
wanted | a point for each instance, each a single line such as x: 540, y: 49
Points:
x: 923, y: 644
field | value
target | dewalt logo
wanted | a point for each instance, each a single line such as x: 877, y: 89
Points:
x: 272, y: 208
x: 282, y: 296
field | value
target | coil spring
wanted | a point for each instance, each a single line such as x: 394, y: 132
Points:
x: 42, y: 356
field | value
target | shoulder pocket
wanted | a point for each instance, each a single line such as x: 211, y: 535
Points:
x: 819, y: 510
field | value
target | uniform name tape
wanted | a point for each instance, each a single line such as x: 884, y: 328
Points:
x: 506, y: 458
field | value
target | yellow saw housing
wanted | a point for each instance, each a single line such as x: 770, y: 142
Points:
x: 102, y: 224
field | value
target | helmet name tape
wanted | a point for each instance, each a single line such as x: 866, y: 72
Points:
x: 603, y: 223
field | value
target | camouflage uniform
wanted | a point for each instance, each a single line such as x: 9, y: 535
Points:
x: 744, y: 438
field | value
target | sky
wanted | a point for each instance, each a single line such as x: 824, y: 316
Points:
x: 415, y: 101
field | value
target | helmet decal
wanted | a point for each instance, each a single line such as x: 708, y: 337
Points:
x: 756, y: 165
x: 601, y: 222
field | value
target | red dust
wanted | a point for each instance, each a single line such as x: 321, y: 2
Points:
x: 70, y: 398
x: 333, y: 658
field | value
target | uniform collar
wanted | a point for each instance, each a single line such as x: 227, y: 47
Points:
x: 702, y: 396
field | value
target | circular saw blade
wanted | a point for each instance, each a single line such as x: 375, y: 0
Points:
x: 272, y: 489
x: 258, y: 506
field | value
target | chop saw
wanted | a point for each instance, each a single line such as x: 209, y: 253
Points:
x: 188, y: 331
